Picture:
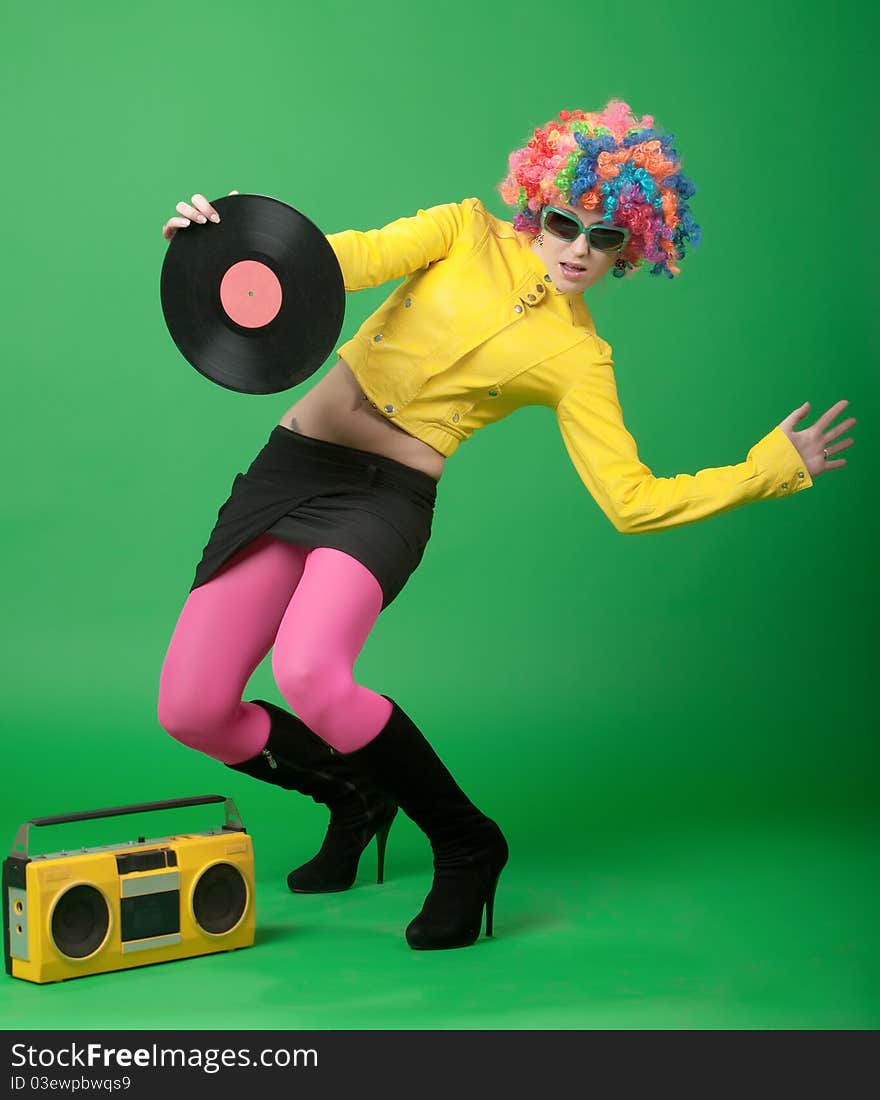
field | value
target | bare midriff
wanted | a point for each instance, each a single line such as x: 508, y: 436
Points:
x: 337, y: 410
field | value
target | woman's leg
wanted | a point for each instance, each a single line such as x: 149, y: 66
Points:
x: 226, y: 627
x: 324, y: 628
x: 469, y: 849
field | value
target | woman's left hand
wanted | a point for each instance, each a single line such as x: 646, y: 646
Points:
x: 813, y: 443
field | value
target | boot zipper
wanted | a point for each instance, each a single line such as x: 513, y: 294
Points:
x: 270, y: 758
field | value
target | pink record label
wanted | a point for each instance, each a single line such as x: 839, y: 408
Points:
x: 250, y: 293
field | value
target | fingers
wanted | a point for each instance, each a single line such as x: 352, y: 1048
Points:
x: 199, y: 211
x: 833, y: 433
x: 172, y: 225
x: 839, y: 429
x: 836, y: 448
x: 795, y: 416
x: 826, y: 417
x: 844, y: 445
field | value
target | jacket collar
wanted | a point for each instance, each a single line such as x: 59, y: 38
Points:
x: 580, y: 311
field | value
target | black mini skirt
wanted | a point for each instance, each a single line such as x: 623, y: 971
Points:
x: 313, y: 493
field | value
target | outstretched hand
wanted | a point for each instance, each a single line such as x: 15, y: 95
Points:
x: 815, y: 443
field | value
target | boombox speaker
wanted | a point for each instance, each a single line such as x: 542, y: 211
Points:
x: 69, y: 914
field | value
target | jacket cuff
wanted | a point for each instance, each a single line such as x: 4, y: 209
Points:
x: 777, y: 459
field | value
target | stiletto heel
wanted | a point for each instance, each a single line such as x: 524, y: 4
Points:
x: 490, y: 906
x: 452, y: 915
x: 296, y: 759
x: 335, y: 866
x: 469, y: 848
x: 381, y: 841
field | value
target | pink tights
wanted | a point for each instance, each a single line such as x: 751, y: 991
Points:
x: 316, y: 607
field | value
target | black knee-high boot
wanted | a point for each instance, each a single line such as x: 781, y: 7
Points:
x: 469, y: 849
x: 298, y: 760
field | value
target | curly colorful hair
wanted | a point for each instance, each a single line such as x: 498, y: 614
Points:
x: 612, y: 161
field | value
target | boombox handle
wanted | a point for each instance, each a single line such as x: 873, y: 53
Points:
x: 233, y: 822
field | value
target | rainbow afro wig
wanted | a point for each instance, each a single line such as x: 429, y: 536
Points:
x: 613, y: 163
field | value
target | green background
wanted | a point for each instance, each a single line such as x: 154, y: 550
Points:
x: 676, y: 731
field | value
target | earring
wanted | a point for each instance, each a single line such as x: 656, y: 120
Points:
x: 539, y: 240
x: 620, y: 264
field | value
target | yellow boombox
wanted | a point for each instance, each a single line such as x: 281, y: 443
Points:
x: 68, y: 914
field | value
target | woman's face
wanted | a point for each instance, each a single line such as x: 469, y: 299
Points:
x: 573, y: 265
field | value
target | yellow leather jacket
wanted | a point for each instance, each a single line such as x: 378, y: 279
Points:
x: 478, y: 330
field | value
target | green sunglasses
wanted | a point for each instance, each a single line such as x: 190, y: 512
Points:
x: 601, y: 236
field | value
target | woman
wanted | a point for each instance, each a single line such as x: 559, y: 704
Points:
x: 333, y: 515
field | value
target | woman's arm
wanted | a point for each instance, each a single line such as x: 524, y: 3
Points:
x: 606, y: 458
x: 401, y: 247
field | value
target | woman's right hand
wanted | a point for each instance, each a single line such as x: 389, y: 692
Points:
x: 200, y: 211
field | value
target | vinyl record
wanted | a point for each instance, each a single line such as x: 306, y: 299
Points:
x: 255, y: 302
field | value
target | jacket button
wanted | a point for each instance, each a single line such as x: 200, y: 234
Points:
x: 455, y: 418
x: 377, y: 337
x: 546, y: 278
x: 493, y: 393
x: 539, y: 288
x: 532, y: 298
x: 800, y: 473
x: 389, y: 408
x: 784, y: 485
x: 407, y: 302
x: 517, y: 309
